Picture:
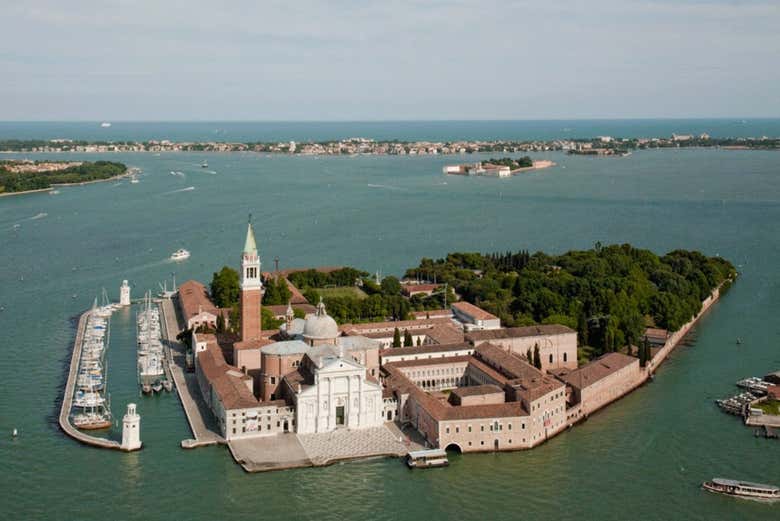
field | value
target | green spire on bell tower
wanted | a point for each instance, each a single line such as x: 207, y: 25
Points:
x: 250, y: 246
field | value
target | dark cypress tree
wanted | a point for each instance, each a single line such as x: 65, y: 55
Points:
x: 537, y: 357
x: 408, y: 341
x: 644, y: 353
x: 582, y: 329
x: 396, y: 338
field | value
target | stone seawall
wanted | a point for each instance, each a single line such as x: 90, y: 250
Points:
x: 577, y: 413
x: 678, y: 335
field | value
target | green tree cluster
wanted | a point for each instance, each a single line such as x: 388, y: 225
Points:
x: 87, y: 171
x: 522, y: 162
x: 276, y: 291
x: 225, y: 289
x: 317, y: 279
x: 609, y: 294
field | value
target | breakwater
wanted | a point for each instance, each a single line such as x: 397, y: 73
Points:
x: 67, y: 400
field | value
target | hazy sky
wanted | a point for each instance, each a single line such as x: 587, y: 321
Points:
x: 360, y: 60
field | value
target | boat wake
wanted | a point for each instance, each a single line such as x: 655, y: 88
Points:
x: 38, y: 216
x: 386, y: 187
x: 188, y: 189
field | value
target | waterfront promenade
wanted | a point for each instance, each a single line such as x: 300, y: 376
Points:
x: 287, y: 451
x: 67, y: 399
x: 198, y: 415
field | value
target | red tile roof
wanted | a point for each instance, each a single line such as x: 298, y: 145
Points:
x: 411, y: 325
x: 598, y: 369
x: 193, y: 298
x: 421, y: 350
x: 227, y: 381
x: 473, y: 311
x: 518, y: 332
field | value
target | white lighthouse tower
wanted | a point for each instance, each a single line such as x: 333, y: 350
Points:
x: 131, y: 429
x: 124, y: 294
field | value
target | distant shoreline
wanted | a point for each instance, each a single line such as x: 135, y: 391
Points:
x: 599, y: 145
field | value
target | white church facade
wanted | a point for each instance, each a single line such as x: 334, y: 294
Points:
x: 339, y: 396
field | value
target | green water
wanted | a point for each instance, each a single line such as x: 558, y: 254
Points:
x: 642, y: 458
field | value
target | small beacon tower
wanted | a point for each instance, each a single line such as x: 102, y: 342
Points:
x: 251, y: 288
x: 131, y: 429
x: 124, y: 294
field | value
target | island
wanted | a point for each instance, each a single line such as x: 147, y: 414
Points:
x: 603, y: 145
x: 24, y: 176
x: 504, y: 167
x: 472, y: 352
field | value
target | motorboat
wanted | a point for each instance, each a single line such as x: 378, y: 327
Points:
x: 180, y: 254
x: 745, y: 489
x: 91, y: 421
x: 421, y: 459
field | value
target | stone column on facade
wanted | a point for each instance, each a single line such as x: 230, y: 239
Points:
x: 352, y: 411
x: 362, y: 401
x: 330, y: 420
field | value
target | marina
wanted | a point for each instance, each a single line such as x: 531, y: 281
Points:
x: 91, y: 401
x: 66, y: 420
x: 152, y: 376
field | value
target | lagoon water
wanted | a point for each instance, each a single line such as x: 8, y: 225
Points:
x: 642, y: 458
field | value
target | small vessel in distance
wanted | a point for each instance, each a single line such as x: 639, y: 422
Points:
x: 423, y: 459
x: 204, y: 164
x: 105, y: 124
x: 744, y: 489
x: 180, y: 254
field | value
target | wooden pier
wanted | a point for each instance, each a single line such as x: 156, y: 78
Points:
x: 67, y: 399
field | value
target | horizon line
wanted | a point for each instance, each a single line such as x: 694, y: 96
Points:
x: 433, y: 120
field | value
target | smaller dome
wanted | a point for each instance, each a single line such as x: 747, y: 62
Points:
x: 320, y: 326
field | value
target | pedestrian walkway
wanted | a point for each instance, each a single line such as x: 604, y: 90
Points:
x: 202, y: 423
x: 260, y: 454
x: 344, y: 444
x: 286, y: 451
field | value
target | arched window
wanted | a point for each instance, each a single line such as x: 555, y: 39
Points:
x: 564, y: 357
x: 551, y: 358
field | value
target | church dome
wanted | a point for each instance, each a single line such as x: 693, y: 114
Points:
x: 320, y: 326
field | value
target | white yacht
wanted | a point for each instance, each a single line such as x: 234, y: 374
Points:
x: 180, y: 254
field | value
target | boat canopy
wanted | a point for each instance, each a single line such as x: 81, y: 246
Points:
x: 430, y: 453
x: 734, y: 483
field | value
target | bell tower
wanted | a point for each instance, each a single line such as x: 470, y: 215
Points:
x: 251, y: 288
